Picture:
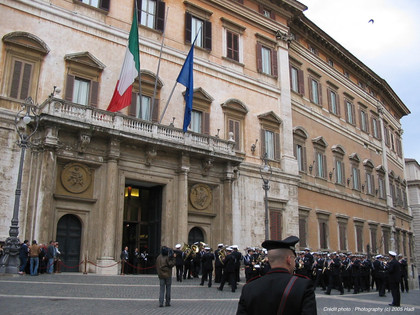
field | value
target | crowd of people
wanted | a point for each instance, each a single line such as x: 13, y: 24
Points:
x: 37, y: 258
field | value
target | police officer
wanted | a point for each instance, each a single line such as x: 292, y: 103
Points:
x: 279, y: 291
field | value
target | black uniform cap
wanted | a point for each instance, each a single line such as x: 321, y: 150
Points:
x: 288, y: 243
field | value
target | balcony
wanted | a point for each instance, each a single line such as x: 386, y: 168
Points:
x: 116, y: 124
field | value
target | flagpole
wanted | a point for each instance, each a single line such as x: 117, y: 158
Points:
x: 139, y: 76
x: 167, y: 103
x: 158, y: 68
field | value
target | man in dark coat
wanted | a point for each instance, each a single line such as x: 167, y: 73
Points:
x: 394, y: 277
x: 23, y: 256
x: 279, y: 291
x: 179, y: 264
x: 218, y: 265
x: 334, y: 279
x: 228, y: 270
x: 207, y: 266
x: 404, y: 273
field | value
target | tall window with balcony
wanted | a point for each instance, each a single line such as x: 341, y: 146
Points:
x: 24, y: 56
x: 200, y: 115
x: 235, y: 112
x: 151, y: 13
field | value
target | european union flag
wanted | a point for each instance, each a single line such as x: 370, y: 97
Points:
x: 185, y: 77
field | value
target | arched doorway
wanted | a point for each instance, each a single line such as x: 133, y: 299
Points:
x: 69, y: 231
x: 195, y: 235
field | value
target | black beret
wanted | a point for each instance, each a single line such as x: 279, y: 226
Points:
x: 288, y: 243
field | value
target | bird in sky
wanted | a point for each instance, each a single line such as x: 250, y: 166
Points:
x: 371, y: 20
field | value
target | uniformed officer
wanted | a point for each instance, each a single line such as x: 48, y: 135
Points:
x: 279, y: 291
x: 334, y: 274
x: 394, y: 277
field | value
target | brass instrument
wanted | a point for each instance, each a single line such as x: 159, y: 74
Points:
x: 222, y: 254
x: 186, y: 250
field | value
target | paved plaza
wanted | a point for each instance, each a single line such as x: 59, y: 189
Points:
x: 75, y: 293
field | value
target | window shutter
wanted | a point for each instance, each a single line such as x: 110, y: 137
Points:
x: 188, y: 27
x: 329, y: 99
x: 367, y: 122
x: 160, y: 16
x: 358, y: 179
x: 132, y: 110
x: 69, y: 88
x: 263, y: 150
x: 277, y: 146
x: 354, y: 114
x: 237, y: 136
x: 260, y: 9
x: 229, y: 44
x: 275, y: 225
x: 139, y: 11
x: 155, y: 113
x: 259, y: 57
x: 301, y: 84
x: 310, y: 89
x: 17, y: 69
x: 274, y: 66
x: 94, y: 91
x: 319, y: 94
x: 272, y: 15
x: 337, y: 105
x: 26, y: 80
x: 343, y: 172
x: 305, y: 166
x: 207, y: 35
x: 206, y: 123
x: 104, y: 5
x: 324, y: 166
x: 302, y: 232
x: 346, y: 108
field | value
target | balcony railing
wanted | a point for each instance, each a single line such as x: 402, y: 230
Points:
x: 116, y: 121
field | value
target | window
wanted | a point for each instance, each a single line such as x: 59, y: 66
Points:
x: 266, y: 12
x: 373, y: 241
x: 196, y: 121
x: 192, y: 26
x: 331, y: 62
x: 340, y: 177
x: 323, y: 228
x: 303, y: 227
x: 296, y: 80
x: 267, y: 60
x: 342, y: 232
x: 375, y: 128
x: 355, y: 172
x: 364, y: 125
x: 24, y: 55
x: 386, y: 133
x: 321, y: 165
x: 232, y: 45
x: 299, y: 148
x: 399, y: 146
x: 270, y: 137
x: 101, y: 4
x: 315, y: 91
x: 275, y: 225
x: 152, y: 14
x: 359, y: 236
x: 386, y: 236
x: 350, y: 117
x: 82, y: 81
x: 144, y: 109
x: 370, y: 184
x: 235, y: 112
x: 381, y: 187
x: 333, y: 103
x: 200, y: 115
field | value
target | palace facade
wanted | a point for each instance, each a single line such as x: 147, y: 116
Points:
x: 267, y: 82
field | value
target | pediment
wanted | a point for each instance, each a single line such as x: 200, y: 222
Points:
x: 300, y: 132
x: 354, y: 157
x: 368, y: 163
x: 270, y: 117
x: 27, y: 41
x: 320, y: 141
x: 338, y: 149
x: 201, y: 94
x: 380, y: 169
x: 85, y: 58
x: 235, y: 105
x: 150, y: 77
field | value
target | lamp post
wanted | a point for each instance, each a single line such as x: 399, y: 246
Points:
x: 28, y: 114
x: 265, y: 173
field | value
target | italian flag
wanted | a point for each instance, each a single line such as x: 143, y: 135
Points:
x: 129, y: 72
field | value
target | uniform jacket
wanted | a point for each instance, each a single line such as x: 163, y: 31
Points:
x: 263, y: 295
x: 394, y: 272
x: 229, y: 263
x: 207, y: 261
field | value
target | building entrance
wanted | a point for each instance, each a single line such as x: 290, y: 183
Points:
x: 69, y: 231
x: 142, y: 225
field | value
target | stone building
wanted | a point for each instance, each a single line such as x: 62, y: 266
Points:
x: 267, y: 81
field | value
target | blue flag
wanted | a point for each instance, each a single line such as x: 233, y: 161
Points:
x: 185, y: 77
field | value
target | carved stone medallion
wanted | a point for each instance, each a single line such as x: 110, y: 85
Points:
x: 76, y: 177
x: 201, y: 196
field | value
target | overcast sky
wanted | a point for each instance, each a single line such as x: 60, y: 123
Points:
x: 390, y: 46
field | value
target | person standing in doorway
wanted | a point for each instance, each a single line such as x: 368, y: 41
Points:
x: 124, y: 260
x: 164, y: 264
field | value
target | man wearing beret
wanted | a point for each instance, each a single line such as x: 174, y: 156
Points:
x: 279, y: 291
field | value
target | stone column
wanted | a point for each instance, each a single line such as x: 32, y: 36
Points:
x: 109, y: 215
x: 230, y: 232
x: 288, y: 161
x: 182, y: 193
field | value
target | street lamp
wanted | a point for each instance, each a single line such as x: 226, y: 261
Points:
x: 28, y: 114
x: 265, y: 173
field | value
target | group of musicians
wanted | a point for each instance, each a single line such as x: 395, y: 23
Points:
x: 341, y: 271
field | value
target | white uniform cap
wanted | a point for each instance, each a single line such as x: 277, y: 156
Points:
x: 392, y: 253
x: 178, y: 246
x: 219, y: 245
x: 234, y: 246
x: 229, y: 249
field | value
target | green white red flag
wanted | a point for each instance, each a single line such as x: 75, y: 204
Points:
x: 129, y: 72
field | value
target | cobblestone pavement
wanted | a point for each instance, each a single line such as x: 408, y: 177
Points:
x: 75, y: 293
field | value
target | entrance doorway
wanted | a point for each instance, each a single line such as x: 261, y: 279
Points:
x: 69, y: 231
x: 142, y: 225
x: 195, y: 235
